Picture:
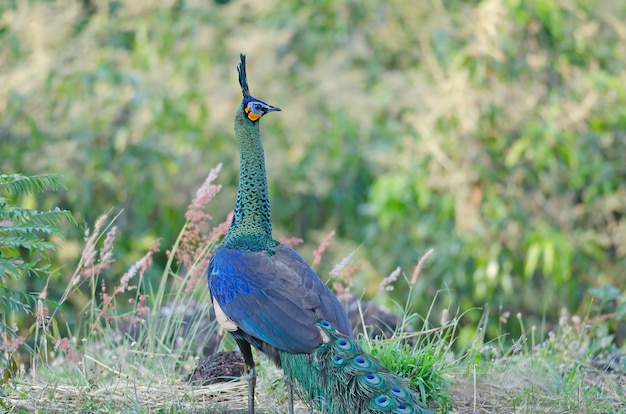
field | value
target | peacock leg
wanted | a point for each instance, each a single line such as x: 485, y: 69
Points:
x: 246, y: 352
x: 251, y: 385
x: 289, y: 387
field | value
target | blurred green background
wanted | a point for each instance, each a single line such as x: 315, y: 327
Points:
x: 492, y: 131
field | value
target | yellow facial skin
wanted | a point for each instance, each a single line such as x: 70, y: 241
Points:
x: 252, y: 116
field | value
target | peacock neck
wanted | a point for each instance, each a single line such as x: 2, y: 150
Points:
x: 251, y: 228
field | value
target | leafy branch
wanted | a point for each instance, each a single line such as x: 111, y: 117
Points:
x: 25, y: 240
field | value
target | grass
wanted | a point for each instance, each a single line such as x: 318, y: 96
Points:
x: 555, y: 375
x: 127, y: 354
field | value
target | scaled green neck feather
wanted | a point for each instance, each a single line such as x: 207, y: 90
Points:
x: 251, y: 228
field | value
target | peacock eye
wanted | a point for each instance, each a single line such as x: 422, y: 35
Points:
x: 257, y: 107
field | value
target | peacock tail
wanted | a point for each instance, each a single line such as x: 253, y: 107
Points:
x: 339, y: 377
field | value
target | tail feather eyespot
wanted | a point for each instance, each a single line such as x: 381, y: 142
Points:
x: 381, y: 402
x: 338, y: 361
x: 403, y: 409
x: 345, y: 345
x: 325, y: 326
x: 363, y: 362
x: 371, y: 380
x: 400, y: 392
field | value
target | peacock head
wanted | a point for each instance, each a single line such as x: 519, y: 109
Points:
x: 253, y: 108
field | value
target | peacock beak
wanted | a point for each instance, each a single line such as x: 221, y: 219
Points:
x: 271, y: 108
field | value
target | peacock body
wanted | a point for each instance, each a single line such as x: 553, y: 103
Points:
x: 269, y: 298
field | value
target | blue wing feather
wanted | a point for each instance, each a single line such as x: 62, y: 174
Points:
x: 276, y: 298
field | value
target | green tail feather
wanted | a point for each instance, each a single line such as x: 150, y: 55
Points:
x: 339, y: 377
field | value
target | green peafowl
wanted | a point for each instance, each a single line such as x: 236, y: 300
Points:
x: 267, y: 297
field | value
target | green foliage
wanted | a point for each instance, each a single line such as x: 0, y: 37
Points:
x: 11, y: 370
x: 423, y: 363
x: 612, y: 302
x: 24, y: 241
x: 492, y: 132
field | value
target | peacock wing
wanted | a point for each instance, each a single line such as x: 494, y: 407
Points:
x: 276, y: 298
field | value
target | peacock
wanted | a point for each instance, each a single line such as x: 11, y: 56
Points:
x: 269, y: 298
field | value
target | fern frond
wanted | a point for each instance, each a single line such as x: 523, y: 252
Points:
x: 16, y: 301
x: 13, y: 267
x: 26, y: 241
x: 19, y: 184
x: 17, y: 215
x: 28, y: 228
x: 8, y: 269
x: 23, y: 228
